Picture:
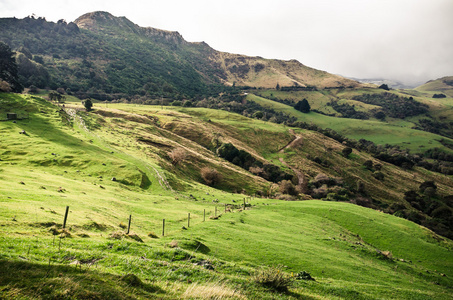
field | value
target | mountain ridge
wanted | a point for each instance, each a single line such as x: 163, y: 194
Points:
x: 124, y: 58
x: 234, y: 65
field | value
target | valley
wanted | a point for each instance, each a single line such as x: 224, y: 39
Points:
x: 137, y: 165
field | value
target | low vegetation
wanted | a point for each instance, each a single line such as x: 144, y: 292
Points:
x: 116, y: 162
x: 167, y: 179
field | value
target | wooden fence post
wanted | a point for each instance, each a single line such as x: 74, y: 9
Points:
x: 204, y: 214
x: 65, y: 217
x: 215, y: 211
x: 188, y: 221
x: 129, y: 225
x: 163, y: 227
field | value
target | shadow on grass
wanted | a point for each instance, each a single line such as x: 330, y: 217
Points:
x: 21, y: 279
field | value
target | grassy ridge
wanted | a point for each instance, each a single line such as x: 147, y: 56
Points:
x: 397, y: 132
x: 60, y: 160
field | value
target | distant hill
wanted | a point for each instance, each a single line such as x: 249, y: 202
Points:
x: 379, y: 81
x: 99, y: 54
x: 442, y: 85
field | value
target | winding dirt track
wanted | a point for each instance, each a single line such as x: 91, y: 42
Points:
x: 301, y: 177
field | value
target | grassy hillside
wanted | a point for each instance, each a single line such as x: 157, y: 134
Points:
x: 394, y: 131
x: 106, y: 57
x: 442, y: 85
x: 69, y: 158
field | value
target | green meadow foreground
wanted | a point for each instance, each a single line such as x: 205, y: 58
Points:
x: 115, y: 163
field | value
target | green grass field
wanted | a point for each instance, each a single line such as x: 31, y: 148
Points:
x: 394, y: 132
x: 352, y: 252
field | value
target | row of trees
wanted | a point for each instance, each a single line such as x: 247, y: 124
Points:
x: 246, y: 161
x: 393, y: 105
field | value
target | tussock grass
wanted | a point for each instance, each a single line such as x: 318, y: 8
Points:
x: 215, y: 291
x: 342, y: 245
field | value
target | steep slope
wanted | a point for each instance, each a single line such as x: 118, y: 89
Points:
x: 267, y: 73
x: 106, y: 57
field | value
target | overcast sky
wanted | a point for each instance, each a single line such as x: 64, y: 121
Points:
x: 406, y: 40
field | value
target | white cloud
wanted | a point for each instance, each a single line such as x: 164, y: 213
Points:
x: 407, y: 40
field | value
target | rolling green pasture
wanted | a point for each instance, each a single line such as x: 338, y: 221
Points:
x: 352, y: 252
x: 396, y: 132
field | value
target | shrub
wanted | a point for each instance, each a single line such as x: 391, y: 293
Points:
x: 303, y: 106
x: 378, y: 175
x: 319, y: 192
x: 273, y: 278
x: 346, y: 151
x: 286, y: 187
x: 88, y: 104
x: 177, y: 155
x: 368, y: 164
x: 117, y: 235
x: 210, y: 176
x: 33, y: 89
x: 384, y: 87
x: 5, y: 86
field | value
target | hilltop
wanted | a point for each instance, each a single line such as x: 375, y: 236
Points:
x: 107, y: 57
x: 442, y: 85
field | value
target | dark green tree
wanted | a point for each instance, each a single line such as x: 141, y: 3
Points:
x: 8, y: 68
x: 88, y: 104
x: 303, y: 106
x: 258, y: 114
x: 384, y: 87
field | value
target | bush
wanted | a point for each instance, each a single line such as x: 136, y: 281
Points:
x: 273, y: 278
x: 88, y: 104
x: 368, y: 164
x: 384, y: 87
x: 177, y: 155
x: 378, y: 175
x: 210, y: 176
x: 5, y: 86
x: 303, y: 106
x: 346, y: 151
x: 286, y: 187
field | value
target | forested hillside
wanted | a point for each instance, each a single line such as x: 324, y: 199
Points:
x: 106, y: 57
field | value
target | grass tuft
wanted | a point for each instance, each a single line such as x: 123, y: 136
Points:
x: 217, y: 290
x: 273, y: 278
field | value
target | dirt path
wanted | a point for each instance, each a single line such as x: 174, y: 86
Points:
x: 300, y: 176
